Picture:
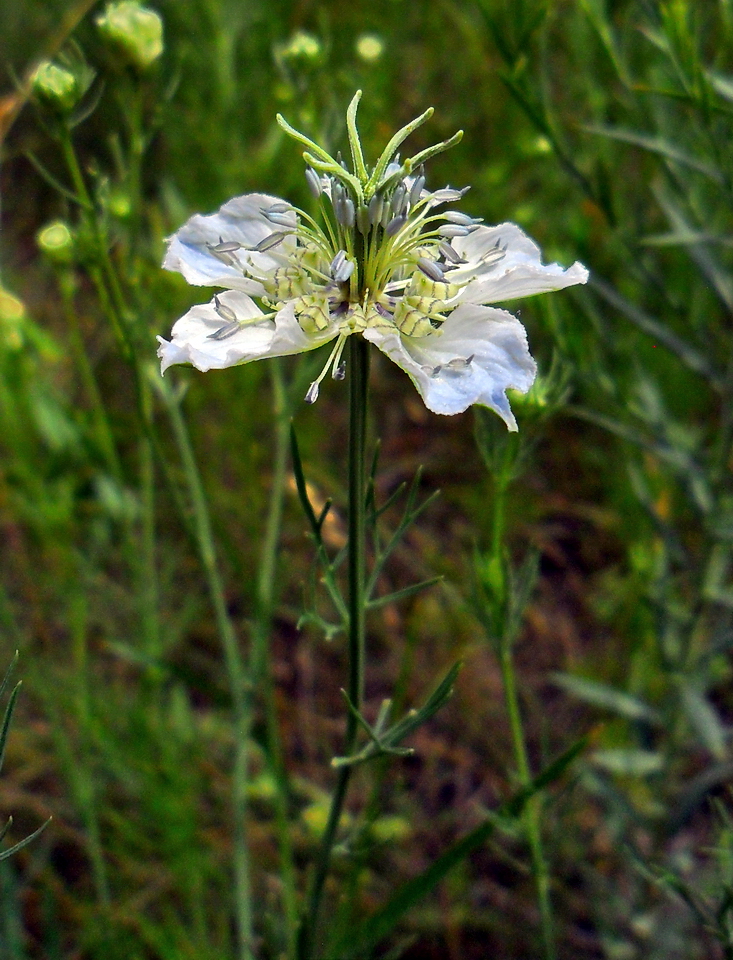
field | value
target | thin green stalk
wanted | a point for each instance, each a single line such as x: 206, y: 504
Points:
x: 102, y: 428
x: 531, y: 814
x: 236, y: 673
x: 358, y: 367
x: 261, y: 657
x: 148, y: 567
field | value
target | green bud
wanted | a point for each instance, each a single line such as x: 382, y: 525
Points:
x: 56, y: 85
x: 303, y: 47
x: 56, y: 241
x: 135, y: 31
x: 118, y: 204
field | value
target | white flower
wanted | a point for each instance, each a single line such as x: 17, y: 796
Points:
x: 416, y: 283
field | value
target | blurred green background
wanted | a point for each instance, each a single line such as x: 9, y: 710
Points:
x: 603, y: 128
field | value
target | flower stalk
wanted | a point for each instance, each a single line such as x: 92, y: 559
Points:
x: 358, y: 376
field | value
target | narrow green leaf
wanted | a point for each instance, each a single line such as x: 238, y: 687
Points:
x: 6, y: 678
x: 56, y: 184
x: 301, y: 486
x: 606, y: 697
x: 403, y: 594
x: 722, y: 85
x: 700, y: 253
x: 661, y: 333
x: 4, y: 854
x: 684, y: 237
x: 434, y: 702
x: 387, y: 742
x: 704, y: 720
x: 6, y: 722
x: 628, y: 763
x: 659, y: 146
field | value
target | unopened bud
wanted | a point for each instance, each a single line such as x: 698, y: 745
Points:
x: 56, y: 241
x: 135, y: 31
x: 55, y: 85
x: 303, y: 47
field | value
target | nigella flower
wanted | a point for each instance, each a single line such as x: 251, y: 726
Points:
x: 392, y: 261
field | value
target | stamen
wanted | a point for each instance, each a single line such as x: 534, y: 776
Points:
x: 225, y: 312
x: 338, y: 367
x: 334, y: 363
x: 495, y: 254
x: 267, y: 243
x: 463, y: 219
x: 228, y: 246
x: 451, y: 230
x: 344, y: 272
x: 281, y: 219
x: 223, y: 251
x: 395, y: 225
x: 460, y: 363
x: 416, y: 190
x: 341, y: 268
x: 376, y: 207
x: 449, y: 253
x: 345, y: 212
x: 314, y: 182
x: 449, y: 195
x: 431, y: 269
x: 336, y: 263
x: 397, y: 199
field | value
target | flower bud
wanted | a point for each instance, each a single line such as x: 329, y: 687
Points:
x: 301, y: 48
x: 135, y: 31
x: 56, y: 86
x: 56, y: 241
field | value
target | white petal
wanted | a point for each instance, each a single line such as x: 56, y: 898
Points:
x: 240, y: 220
x: 190, y: 339
x: 493, y: 340
x: 519, y: 272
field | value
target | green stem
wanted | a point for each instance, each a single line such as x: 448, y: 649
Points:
x: 532, y: 812
x: 236, y: 673
x: 261, y: 658
x: 533, y: 809
x: 100, y: 419
x: 358, y: 367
